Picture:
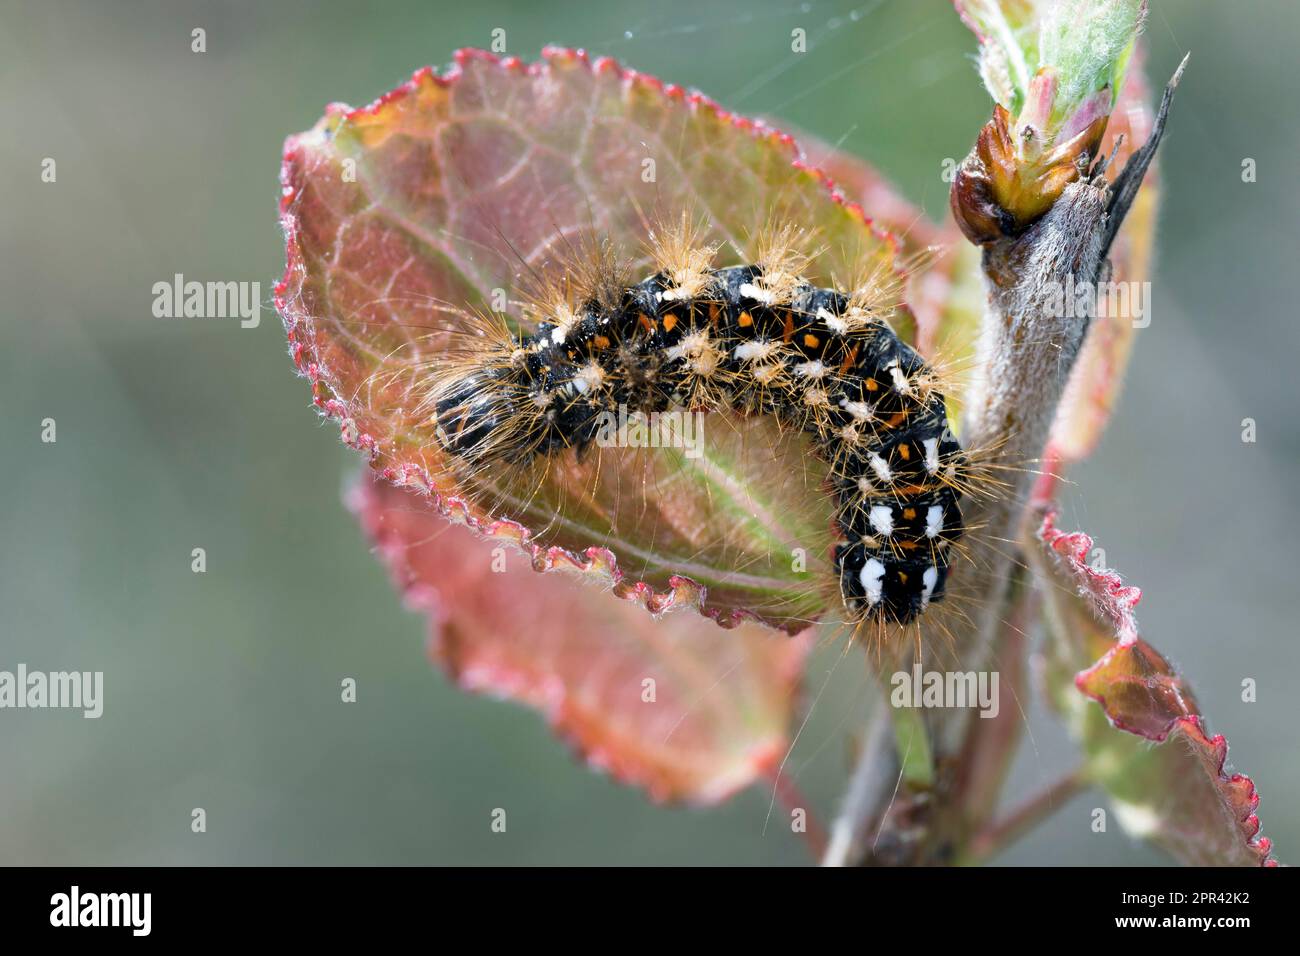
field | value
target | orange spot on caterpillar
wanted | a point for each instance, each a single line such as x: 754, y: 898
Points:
x: 714, y: 313
x: 912, y: 489
x: 849, y: 360
x: 895, y: 420
x: 788, y: 333
x: 909, y: 514
x: 904, y: 452
x: 811, y: 341
x: 745, y: 320
x: 601, y: 341
x: 670, y: 321
x: 872, y: 385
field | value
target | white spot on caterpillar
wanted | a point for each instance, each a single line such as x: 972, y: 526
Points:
x: 751, y: 291
x: 882, y: 519
x: 591, y: 376
x: 813, y: 369
x: 881, y: 468
x: 933, y: 521
x: 565, y: 319
x: 832, y: 322
x: 755, y: 351
x: 872, y: 577
x: 931, y: 455
x: 859, y: 410
x: 767, y: 374
x: 901, y: 384
x: 928, y: 580
x: 701, y: 355
x: 865, y: 486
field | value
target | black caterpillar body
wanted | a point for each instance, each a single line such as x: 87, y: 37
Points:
x: 743, y: 338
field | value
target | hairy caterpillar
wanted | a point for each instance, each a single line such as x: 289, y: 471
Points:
x: 757, y: 338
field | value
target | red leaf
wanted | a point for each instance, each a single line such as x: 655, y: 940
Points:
x: 400, y: 215
x: 722, y: 699
x: 1177, y: 794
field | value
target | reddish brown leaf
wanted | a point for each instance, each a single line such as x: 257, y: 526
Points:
x: 401, y: 214
x: 1178, y: 793
x: 723, y: 700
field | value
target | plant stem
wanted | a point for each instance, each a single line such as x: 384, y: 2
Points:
x: 873, y: 779
x: 1025, y: 817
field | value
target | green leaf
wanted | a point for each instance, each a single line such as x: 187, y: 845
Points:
x: 1085, y: 43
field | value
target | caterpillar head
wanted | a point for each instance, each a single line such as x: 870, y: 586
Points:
x: 881, y: 588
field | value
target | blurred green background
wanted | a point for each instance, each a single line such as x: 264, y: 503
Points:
x: 222, y: 688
